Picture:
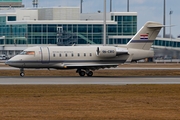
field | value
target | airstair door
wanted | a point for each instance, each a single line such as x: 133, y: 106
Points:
x: 45, y: 55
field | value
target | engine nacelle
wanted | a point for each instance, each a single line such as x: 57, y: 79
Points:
x: 109, y: 52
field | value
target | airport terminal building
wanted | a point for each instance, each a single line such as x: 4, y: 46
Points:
x: 21, y: 28
x: 64, y: 26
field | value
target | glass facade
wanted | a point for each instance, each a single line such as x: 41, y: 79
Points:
x: 2, y: 28
x: 127, y: 25
x: 2, y: 20
x: 67, y: 34
x: 167, y: 43
x: 14, y: 34
x: 11, y: 18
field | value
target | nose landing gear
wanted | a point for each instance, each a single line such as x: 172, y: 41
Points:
x: 22, y: 72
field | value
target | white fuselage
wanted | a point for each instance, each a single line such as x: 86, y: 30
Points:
x: 73, y: 57
x: 88, y: 58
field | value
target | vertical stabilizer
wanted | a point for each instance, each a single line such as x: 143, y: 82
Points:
x: 145, y: 37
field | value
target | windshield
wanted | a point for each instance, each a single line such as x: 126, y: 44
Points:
x: 27, y: 53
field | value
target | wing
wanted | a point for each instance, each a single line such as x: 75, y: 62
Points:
x: 90, y: 66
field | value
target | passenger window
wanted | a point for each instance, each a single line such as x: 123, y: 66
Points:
x: 84, y: 54
x: 59, y: 55
x: 90, y: 54
x: 66, y: 54
x: 54, y: 55
x: 72, y: 54
x: 78, y: 54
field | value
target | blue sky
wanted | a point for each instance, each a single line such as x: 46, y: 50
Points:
x: 148, y: 10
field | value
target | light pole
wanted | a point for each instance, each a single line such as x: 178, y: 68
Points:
x: 127, y: 5
x: 164, y: 19
x: 110, y: 5
x: 81, y: 1
x: 104, y: 37
x: 170, y: 13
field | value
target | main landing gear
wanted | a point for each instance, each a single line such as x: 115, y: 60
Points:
x: 83, y: 73
x: 22, y: 72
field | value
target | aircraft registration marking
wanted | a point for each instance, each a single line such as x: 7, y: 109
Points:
x: 62, y: 51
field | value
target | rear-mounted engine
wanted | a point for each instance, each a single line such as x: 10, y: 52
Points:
x: 109, y: 52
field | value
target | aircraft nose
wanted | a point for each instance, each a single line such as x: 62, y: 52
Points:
x: 10, y: 63
x: 13, y: 62
x: 7, y: 62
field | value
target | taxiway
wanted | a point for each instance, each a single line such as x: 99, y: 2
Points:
x: 87, y: 80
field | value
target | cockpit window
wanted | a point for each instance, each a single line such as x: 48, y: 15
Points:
x: 27, y: 53
x: 23, y: 53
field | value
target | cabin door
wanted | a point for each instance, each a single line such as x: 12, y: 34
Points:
x: 45, y: 55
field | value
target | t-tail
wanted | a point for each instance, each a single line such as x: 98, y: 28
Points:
x: 145, y: 37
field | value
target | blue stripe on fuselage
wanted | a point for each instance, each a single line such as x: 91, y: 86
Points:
x: 140, y: 41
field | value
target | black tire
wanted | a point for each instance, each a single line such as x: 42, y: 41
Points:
x: 90, y: 74
x: 22, y: 74
x: 82, y: 73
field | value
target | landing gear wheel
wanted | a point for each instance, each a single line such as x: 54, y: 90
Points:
x: 82, y: 73
x: 90, y: 74
x: 22, y: 74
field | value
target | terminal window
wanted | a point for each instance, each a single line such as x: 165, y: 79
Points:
x: 11, y: 18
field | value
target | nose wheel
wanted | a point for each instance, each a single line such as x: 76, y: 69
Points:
x: 22, y: 72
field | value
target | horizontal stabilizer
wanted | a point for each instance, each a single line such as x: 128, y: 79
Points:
x: 155, y: 26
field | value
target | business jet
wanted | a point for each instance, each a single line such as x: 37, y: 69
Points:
x: 86, y: 59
